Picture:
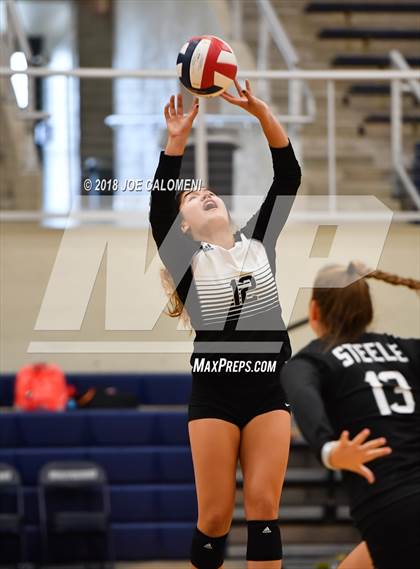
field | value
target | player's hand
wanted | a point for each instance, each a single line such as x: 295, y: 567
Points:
x: 354, y: 454
x: 247, y: 100
x: 178, y: 124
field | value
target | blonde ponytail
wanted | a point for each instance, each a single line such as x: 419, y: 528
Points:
x: 175, y: 305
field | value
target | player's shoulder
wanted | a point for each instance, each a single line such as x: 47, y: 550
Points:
x: 314, y: 347
x: 314, y: 352
x: 409, y: 344
x: 307, y: 363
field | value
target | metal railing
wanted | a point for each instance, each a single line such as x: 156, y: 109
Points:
x: 16, y: 40
x: 412, y: 86
x: 270, y: 27
x: 397, y: 77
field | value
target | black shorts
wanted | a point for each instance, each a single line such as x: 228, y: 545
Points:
x: 235, y: 399
x: 393, y: 534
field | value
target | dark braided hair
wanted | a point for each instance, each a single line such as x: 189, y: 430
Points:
x: 357, y: 268
x: 344, y: 301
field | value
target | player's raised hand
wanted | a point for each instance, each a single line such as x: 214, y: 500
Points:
x: 178, y: 123
x: 353, y: 454
x: 247, y: 100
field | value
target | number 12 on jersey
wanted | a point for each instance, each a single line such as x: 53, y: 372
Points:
x: 376, y: 381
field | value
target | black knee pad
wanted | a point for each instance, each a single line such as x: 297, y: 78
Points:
x: 207, y: 552
x: 264, y: 541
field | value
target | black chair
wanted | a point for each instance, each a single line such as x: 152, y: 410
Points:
x: 11, y: 514
x: 74, y: 507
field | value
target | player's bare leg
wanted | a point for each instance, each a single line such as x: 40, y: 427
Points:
x: 264, y: 454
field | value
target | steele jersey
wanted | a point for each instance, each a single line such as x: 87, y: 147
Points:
x: 372, y: 383
x: 230, y: 294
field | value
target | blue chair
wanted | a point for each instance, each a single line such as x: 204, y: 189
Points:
x: 11, y: 513
x: 74, y: 502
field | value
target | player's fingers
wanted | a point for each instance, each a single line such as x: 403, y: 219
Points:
x: 166, y: 112
x: 230, y: 98
x: 344, y: 437
x: 366, y: 473
x: 376, y: 453
x: 374, y: 443
x: 195, y: 104
x: 238, y: 87
x: 361, y: 437
x: 172, y: 110
x: 248, y: 86
x: 246, y: 94
x: 194, y: 111
x: 180, y: 105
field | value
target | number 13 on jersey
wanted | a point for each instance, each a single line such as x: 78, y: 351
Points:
x: 376, y: 381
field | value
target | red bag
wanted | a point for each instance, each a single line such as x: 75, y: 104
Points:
x: 41, y: 386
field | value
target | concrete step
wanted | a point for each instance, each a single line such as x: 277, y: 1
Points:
x: 320, y: 158
x: 360, y: 19
x: 382, y: 104
x: 350, y: 188
x: 383, y: 130
x: 317, y: 146
x: 374, y: 132
x: 332, y: 47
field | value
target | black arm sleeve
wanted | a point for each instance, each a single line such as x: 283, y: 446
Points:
x: 270, y: 218
x: 175, y: 248
x: 302, y: 382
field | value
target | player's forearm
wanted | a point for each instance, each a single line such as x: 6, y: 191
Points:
x: 175, y: 145
x: 273, y: 130
x: 162, y: 214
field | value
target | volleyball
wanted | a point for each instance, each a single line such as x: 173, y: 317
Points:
x: 206, y: 66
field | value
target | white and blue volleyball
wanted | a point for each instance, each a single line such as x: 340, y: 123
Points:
x: 206, y: 66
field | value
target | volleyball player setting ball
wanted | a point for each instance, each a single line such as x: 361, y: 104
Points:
x: 223, y: 280
x: 349, y: 385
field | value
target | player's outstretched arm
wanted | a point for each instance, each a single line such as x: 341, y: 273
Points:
x: 178, y: 125
x: 162, y: 212
x: 273, y: 130
x: 269, y: 220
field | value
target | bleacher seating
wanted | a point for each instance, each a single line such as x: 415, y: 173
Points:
x: 355, y: 23
x: 144, y: 452
x: 414, y: 171
x: 369, y: 60
x: 146, y: 456
x: 328, y: 7
x: 372, y: 90
x: 11, y: 515
x: 151, y: 389
x: 385, y: 118
x: 389, y: 34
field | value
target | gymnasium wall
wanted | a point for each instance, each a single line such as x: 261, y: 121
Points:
x: 28, y: 254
